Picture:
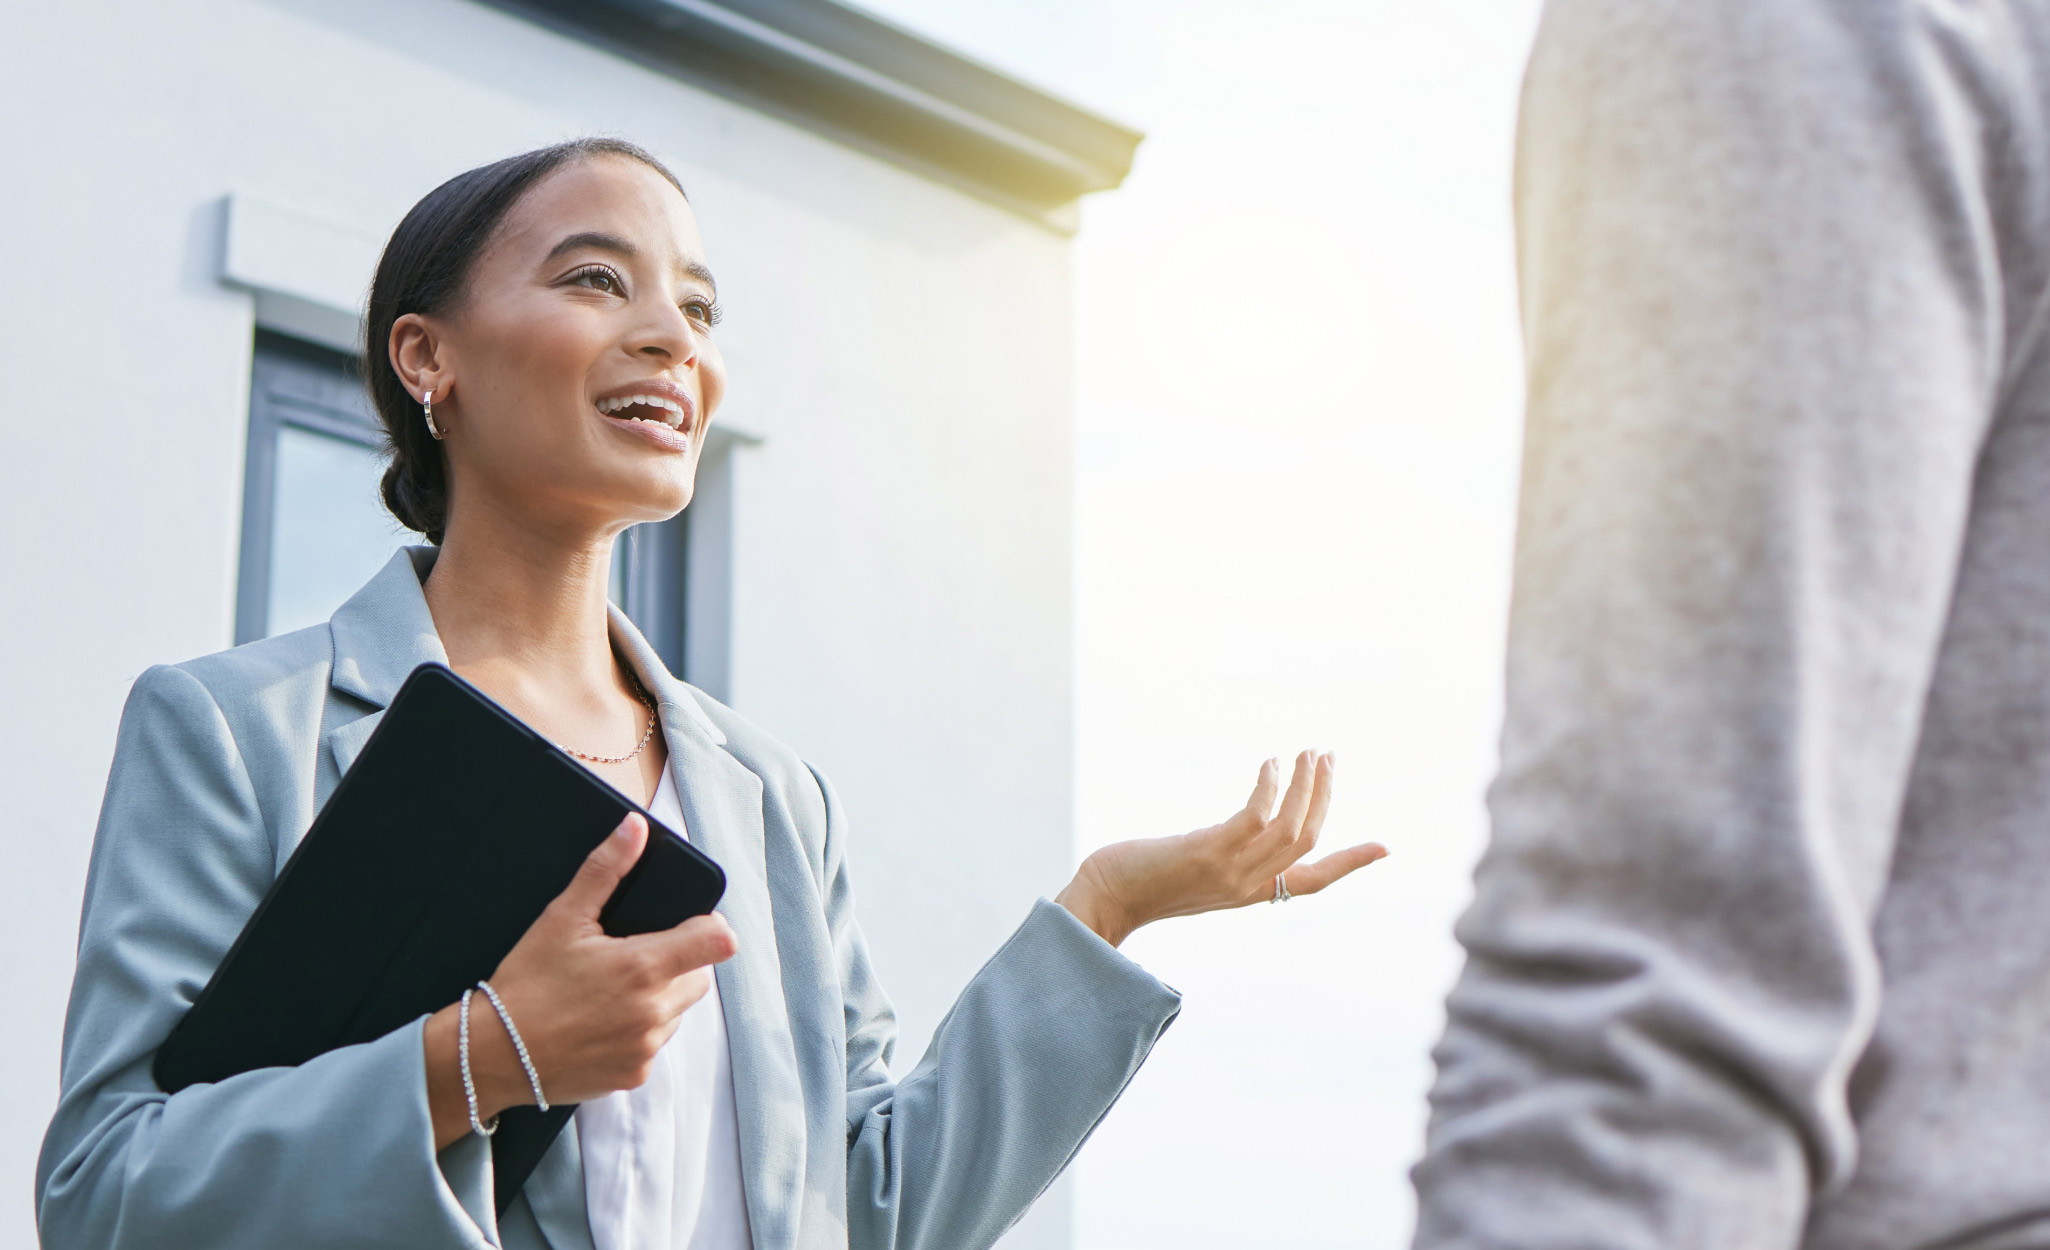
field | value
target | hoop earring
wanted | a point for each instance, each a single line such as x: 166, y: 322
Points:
x: 427, y: 410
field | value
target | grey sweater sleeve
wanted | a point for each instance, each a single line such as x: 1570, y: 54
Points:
x: 1765, y: 330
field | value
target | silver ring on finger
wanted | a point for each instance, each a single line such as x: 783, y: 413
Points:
x: 1281, y: 894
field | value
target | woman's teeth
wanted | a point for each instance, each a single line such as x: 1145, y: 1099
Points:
x: 660, y: 408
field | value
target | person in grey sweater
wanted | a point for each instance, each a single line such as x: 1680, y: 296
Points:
x: 1760, y: 953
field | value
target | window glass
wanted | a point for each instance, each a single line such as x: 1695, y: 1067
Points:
x: 313, y: 527
x: 330, y: 532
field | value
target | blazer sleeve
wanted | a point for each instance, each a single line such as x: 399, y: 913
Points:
x: 336, y: 1152
x: 1020, y: 1072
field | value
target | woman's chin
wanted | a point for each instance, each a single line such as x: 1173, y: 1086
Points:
x: 654, y: 503
x: 636, y: 487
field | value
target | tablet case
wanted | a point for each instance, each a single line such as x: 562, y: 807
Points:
x: 456, y: 826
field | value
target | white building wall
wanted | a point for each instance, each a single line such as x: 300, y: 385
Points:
x: 900, y: 591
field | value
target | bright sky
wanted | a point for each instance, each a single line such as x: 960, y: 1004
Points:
x: 1299, y: 395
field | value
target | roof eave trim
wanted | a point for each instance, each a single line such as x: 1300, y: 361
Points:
x: 822, y: 65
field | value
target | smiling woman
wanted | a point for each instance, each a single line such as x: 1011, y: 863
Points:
x: 546, y: 373
x: 539, y: 298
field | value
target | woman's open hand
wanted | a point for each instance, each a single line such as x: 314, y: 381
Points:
x: 1128, y: 884
x: 592, y: 1009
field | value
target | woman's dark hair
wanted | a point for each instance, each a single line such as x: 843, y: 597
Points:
x: 424, y: 269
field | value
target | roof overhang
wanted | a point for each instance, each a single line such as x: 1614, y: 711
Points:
x: 866, y: 82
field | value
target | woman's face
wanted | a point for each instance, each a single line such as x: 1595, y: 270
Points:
x: 576, y: 376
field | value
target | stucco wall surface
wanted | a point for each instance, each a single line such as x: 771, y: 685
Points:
x: 900, y: 607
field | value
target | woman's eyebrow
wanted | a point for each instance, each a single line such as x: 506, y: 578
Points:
x: 702, y: 274
x: 597, y: 240
x: 625, y: 250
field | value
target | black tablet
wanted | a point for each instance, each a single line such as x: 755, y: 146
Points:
x: 455, y: 827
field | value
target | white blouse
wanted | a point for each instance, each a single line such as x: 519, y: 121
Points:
x: 662, y: 1162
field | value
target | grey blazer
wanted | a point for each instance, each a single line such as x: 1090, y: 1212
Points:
x: 222, y: 763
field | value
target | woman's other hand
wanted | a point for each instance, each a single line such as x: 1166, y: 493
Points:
x: 1128, y: 884
x: 592, y: 1009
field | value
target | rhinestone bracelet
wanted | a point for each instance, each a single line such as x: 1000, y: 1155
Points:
x: 533, y: 1077
x: 477, y: 1126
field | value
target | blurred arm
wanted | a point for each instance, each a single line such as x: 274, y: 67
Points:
x: 1764, y: 328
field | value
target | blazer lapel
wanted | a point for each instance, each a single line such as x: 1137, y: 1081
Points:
x: 346, y: 743
x: 385, y: 631
x: 722, y: 812
x: 380, y: 636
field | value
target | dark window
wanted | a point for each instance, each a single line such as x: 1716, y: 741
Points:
x: 648, y: 565
x: 314, y: 529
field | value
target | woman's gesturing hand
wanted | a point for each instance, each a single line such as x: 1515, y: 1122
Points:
x: 1128, y: 884
x: 593, y: 1010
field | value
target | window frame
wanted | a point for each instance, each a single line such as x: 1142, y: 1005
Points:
x: 291, y: 383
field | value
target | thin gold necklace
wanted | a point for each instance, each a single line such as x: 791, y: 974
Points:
x: 642, y: 692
